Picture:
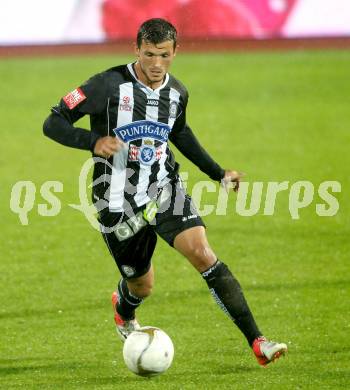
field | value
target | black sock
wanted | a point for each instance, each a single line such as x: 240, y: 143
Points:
x: 228, y: 295
x: 127, y: 303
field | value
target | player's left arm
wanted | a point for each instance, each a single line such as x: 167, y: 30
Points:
x: 183, y: 138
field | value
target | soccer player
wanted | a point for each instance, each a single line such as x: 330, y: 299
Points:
x: 135, y: 109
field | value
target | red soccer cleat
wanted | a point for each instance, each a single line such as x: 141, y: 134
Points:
x: 267, y: 351
x: 123, y: 327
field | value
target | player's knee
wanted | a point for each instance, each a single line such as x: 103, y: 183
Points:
x: 201, y: 256
x: 145, y: 291
x: 141, y: 289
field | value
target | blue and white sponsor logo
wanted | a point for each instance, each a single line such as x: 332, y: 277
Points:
x: 143, y: 129
x: 147, y: 154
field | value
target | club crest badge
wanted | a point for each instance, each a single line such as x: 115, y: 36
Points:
x: 147, y: 154
x: 173, y: 109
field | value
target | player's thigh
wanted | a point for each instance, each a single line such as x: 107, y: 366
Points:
x: 133, y: 255
x: 177, y: 214
x: 181, y: 226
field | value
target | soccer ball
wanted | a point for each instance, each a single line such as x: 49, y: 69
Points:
x: 148, y: 351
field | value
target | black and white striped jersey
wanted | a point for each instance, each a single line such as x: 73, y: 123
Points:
x: 144, y: 119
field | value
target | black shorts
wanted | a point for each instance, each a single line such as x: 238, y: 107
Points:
x: 131, y: 239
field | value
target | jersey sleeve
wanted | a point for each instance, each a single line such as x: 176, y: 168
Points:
x: 184, y: 139
x: 88, y: 99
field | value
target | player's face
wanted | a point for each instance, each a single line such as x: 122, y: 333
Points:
x: 154, y: 61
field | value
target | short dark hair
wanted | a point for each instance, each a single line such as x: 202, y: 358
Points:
x: 155, y: 31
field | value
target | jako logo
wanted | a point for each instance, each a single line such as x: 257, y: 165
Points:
x: 153, y: 102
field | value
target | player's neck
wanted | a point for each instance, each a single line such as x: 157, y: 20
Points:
x: 141, y: 76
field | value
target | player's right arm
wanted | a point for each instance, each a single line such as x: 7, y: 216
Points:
x: 89, y: 99
x: 107, y: 146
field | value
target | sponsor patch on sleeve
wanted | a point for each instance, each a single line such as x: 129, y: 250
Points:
x: 74, y: 98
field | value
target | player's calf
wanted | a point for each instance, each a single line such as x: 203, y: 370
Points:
x: 127, y: 302
x: 228, y: 294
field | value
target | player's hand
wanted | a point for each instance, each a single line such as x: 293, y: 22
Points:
x: 107, y: 146
x: 232, y: 179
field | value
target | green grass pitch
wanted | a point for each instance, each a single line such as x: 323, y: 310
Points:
x: 277, y: 117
